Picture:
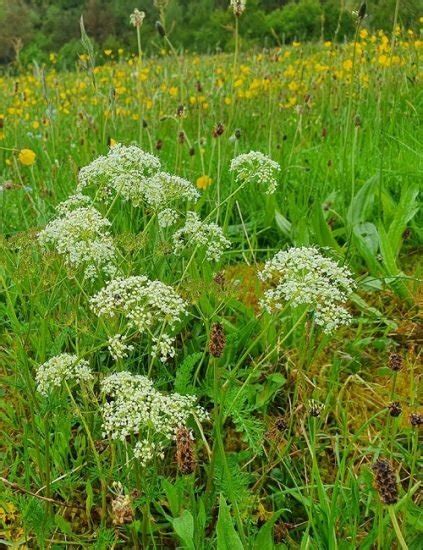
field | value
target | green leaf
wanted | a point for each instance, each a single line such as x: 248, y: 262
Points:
x: 62, y: 524
x: 270, y: 388
x: 389, y: 261
x: 366, y: 240
x: 264, y: 538
x: 184, y: 528
x: 90, y: 497
x: 362, y: 204
x: 227, y: 537
x: 324, y: 235
x: 283, y: 224
x: 173, y: 496
x: 403, y: 213
x: 183, y: 378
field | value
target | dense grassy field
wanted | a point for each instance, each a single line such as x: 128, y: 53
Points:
x: 281, y: 406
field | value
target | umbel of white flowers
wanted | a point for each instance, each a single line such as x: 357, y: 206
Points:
x: 147, y: 306
x: 135, y: 408
x: 135, y: 175
x: 304, y: 277
x: 206, y: 236
x: 80, y: 234
x: 255, y: 167
x: 64, y: 367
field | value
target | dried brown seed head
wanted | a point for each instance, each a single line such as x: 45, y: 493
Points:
x: 122, y: 510
x: 416, y: 419
x: 395, y: 408
x: 217, y: 340
x: 385, y: 481
x: 395, y: 361
x: 185, y: 452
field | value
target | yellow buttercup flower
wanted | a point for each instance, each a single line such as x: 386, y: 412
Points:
x: 26, y: 157
x: 203, y: 182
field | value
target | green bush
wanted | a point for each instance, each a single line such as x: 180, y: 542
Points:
x: 302, y: 21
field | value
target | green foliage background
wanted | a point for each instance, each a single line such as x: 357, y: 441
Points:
x: 31, y: 29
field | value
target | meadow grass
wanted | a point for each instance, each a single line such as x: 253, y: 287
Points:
x: 297, y: 418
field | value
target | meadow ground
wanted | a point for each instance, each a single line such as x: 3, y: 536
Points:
x: 281, y: 405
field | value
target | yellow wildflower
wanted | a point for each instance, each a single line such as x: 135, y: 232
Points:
x: 26, y: 157
x: 203, y: 182
x: 383, y: 60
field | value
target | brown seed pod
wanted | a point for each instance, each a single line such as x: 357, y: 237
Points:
x: 185, y: 452
x: 218, y: 130
x: 416, y: 419
x: 219, y: 279
x: 277, y: 428
x: 395, y: 408
x: 395, y: 361
x: 122, y: 510
x: 180, y: 111
x: 385, y: 481
x: 217, y: 340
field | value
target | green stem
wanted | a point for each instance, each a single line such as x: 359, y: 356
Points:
x: 397, y: 529
x: 96, y: 456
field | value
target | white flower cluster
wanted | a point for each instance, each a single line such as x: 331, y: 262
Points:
x: 167, y: 217
x: 255, y: 167
x: 131, y: 161
x: 137, y: 17
x: 302, y: 276
x: 80, y: 233
x: 73, y: 202
x: 62, y: 367
x: 135, y: 175
x: 163, y: 189
x: 238, y: 6
x: 135, y: 407
x: 204, y: 235
x: 146, y: 450
x: 118, y: 348
x: 145, y: 305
